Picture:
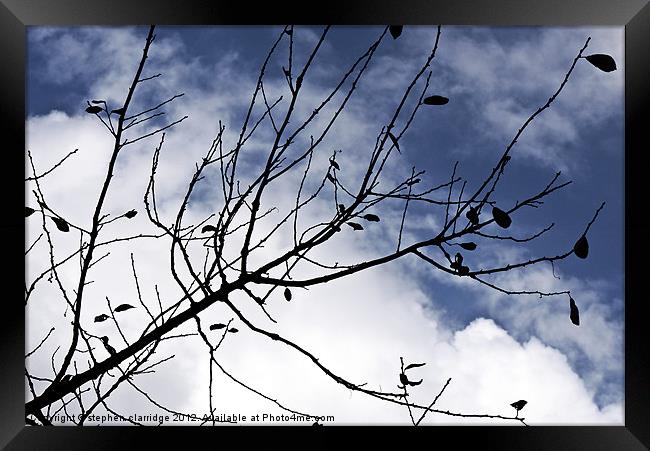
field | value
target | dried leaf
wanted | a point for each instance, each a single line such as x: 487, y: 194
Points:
x: 581, y: 248
x: 414, y: 365
x: 94, y: 109
x: 403, y: 379
x: 370, y: 217
x: 436, y: 100
x: 208, y: 228
x: 463, y: 270
x: 415, y: 383
x: 123, y: 307
x: 97, y: 101
x: 413, y: 182
x: 234, y: 330
x: 217, y: 326
x: 472, y: 215
x: 355, y: 226
x: 501, y: 218
x: 101, y: 318
x: 469, y: 246
x: 130, y: 214
x: 395, y: 30
x: 394, y: 139
x: 603, y: 62
x: 519, y: 404
x: 575, y: 313
x: 287, y: 294
x: 341, y: 208
x: 61, y: 224
x: 335, y: 165
x: 331, y: 178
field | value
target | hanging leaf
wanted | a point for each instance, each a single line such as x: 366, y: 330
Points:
x: 61, y: 224
x: 94, y: 109
x: 395, y: 30
x: 234, y: 330
x: 575, y: 313
x: 519, y: 404
x: 403, y: 379
x: 331, y: 178
x: 414, y: 365
x: 217, y: 326
x: 287, y: 294
x: 123, y: 307
x: 413, y: 182
x: 581, y: 248
x: 335, y: 165
x: 415, y: 383
x: 394, y: 139
x: 501, y: 217
x: 355, y: 226
x: 468, y: 246
x: 208, y: 228
x: 131, y: 214
x: 603, y: 62
x: 370, y: 217
x: 472, y: 215
x: 29, y: 211
x: 101, y: 318
x: 436, y: 100
x: 463, y: 270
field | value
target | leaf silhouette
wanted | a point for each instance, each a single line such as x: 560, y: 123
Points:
x: 370, y: 217
x: 394, y: 139
x: 94, y: 109
x: 131, y: 214
x: 96, y: 102
x: 287, y: 294
x: 101, y: 318
x: 234, y: 330
x: 581, y: 248
x: 208, y: 228
x: 519, y: 404
x: 463, y: 270
x: 415, y: 383
x: 395, y: 30
x: 501, y: 218
x: 403, y: 379
x: 414, y: 365
x: 355, y: 226
x: 472, y: 215
x: 341, y: 208
x: 331, y: 178
x: 335, y: 165
x: 123, y: 307
x: 413, y: 182
x: 61, y: 224
x: 603, y: 62
x: 468, y: 246
x: 217, y: 326
x: 436, y: 100
x: 575, y: 313
x: 119, y: 111
x: 29, y: 211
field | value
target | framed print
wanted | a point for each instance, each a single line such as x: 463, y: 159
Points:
x: 230, y: 221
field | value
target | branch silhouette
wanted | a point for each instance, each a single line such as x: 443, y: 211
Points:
x: 233, y: 238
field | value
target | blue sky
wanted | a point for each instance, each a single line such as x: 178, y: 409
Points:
x: 494, y: 77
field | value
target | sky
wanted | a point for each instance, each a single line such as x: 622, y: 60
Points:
x: 495, y: 348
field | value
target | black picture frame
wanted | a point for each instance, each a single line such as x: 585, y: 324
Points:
x: 15, y: 15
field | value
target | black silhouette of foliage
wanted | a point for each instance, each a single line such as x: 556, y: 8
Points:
x: 236, y: 223
x: 603, y: 62
x: 61, y: 224
x: 581, y: 247
x: 436, y: 100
